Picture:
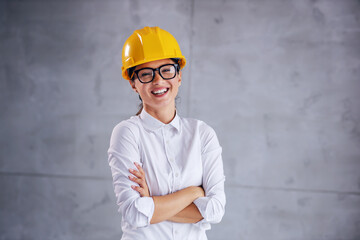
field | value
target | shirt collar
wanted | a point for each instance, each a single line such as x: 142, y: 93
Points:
x: 153, y: 124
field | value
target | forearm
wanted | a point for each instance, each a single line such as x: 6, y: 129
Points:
x: 169, y: 205
x: 190, y: 214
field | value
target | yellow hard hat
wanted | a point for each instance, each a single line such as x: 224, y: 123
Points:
x: 149, y: 44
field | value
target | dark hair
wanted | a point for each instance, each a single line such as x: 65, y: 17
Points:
x: 131, y: 73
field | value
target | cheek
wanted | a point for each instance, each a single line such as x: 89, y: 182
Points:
x: 176, y: 83
x: 178, y: 86
x: 138, y: 87
x: 142, y: 91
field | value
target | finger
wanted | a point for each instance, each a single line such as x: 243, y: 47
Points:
x: 141, y: 182
x: 136, y: 180
x: 142, y: 192
x: 141, y: 170
x: 136, y: 188
x: 136, y: 173
x: 139, y: 190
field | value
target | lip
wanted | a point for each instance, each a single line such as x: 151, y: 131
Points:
x: 157, y: 89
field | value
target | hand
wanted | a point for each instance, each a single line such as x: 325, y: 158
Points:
x: 200, y: 191
x: 139, y: 179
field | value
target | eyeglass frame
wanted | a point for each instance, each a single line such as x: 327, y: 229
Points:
x: 175, y: 65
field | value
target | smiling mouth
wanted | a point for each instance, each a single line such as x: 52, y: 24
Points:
x: 160, y: 92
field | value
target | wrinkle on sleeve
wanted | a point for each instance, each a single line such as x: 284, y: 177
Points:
x: 212, y: 206
x: 123, y: 152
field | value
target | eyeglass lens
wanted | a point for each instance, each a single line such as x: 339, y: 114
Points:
x: 165, y: 71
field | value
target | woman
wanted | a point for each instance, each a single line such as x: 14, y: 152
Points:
x: 167, y: 170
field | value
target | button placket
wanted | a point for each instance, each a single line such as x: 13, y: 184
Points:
x: 173, y: 163
x: 175, y: 232
x: 169, y: 154
x: 170, y: 158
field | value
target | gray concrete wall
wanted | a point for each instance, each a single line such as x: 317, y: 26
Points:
x: 279, y: 81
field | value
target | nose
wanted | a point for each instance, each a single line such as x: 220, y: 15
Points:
x: 157, y: 77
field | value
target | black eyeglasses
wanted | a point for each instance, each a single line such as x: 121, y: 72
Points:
x: 167, y: 72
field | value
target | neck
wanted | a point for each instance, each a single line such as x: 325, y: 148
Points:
x: 165, y: 114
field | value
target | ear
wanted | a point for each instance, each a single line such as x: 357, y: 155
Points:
x: 180, y: 73
x: 132, y: 84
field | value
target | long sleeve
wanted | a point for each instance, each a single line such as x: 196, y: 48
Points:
x: 212, y: 206
x: 136, y: 211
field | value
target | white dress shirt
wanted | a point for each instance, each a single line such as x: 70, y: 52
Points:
x: 183, y: 153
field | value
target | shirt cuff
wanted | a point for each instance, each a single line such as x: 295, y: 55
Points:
x: 201, y: 204
x: 203, y: 225
x: 146, y: 206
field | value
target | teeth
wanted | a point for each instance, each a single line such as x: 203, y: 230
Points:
x: 160, y: 91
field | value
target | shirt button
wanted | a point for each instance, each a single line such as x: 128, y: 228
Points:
x: 176, y: 232
x: 171, y: 159
x: 176, y: 174
x: 167, y: 141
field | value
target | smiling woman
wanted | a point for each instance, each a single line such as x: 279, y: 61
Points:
x: 157, y: 97
x: 167, y: 170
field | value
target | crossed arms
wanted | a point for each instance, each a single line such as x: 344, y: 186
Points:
x: 175, y: 207
x: 189, y: 205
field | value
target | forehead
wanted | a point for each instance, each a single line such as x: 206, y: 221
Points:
x: 155, y: 64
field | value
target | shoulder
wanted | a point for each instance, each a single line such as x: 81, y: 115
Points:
x: 205, y: 131
x: 125, y: 137
x: 208, y: 137
x: 127, y: 128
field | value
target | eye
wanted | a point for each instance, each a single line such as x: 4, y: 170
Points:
x: 145, y: 74
x: 167, y: 69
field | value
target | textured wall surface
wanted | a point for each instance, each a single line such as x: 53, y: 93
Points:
x: 278, y: 80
